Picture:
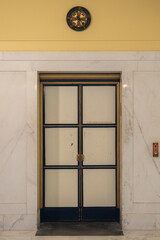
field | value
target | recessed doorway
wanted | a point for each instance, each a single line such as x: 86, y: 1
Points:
x: 80, y: 147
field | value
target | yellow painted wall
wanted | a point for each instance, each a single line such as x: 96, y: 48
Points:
x: 40, y: 25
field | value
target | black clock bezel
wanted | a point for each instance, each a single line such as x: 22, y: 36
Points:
x: 74, y: 27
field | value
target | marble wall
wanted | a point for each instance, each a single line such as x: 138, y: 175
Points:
x: 140, y: 127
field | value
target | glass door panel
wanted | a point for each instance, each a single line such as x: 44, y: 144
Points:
x: 98, y: 104
x: 61, y: 188
x: 99, y: 146
x: 99, y: 188
x: 61, y: 146
x: 60, y: 104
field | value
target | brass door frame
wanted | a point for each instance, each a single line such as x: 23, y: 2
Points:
x: 98, y: 80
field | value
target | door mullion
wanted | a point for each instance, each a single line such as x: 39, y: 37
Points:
x: 80, y: 187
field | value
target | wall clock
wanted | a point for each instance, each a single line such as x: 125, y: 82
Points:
x: 78, y: 18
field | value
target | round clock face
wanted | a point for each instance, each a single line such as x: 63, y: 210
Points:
x: 78, y: 18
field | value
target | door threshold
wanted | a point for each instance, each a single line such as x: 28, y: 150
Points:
x: 79, y: 229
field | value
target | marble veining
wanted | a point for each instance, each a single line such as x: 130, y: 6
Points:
x: 140, y: 127
x: 146, y: 115
x: 147, y: 146
x: 15, y: 222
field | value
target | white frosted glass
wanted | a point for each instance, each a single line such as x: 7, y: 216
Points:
x: 99, y: 104
x: 99, y: 187
x: 61, y: 146
x: 61, y: 104
x: 99, y: 146
x: 61, y: 188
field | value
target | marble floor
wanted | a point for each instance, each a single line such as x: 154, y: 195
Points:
x: 128, y: 235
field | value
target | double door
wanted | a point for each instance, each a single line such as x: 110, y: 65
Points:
x: 80, y: 151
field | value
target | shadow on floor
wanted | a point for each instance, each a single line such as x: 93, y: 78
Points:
x: 80, y: 229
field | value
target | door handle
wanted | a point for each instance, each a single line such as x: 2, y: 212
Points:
x: 80, y: 157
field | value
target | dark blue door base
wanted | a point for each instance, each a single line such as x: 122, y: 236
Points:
x: 51, y: 214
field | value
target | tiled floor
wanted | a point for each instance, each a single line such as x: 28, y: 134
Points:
x: 128, y: 235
